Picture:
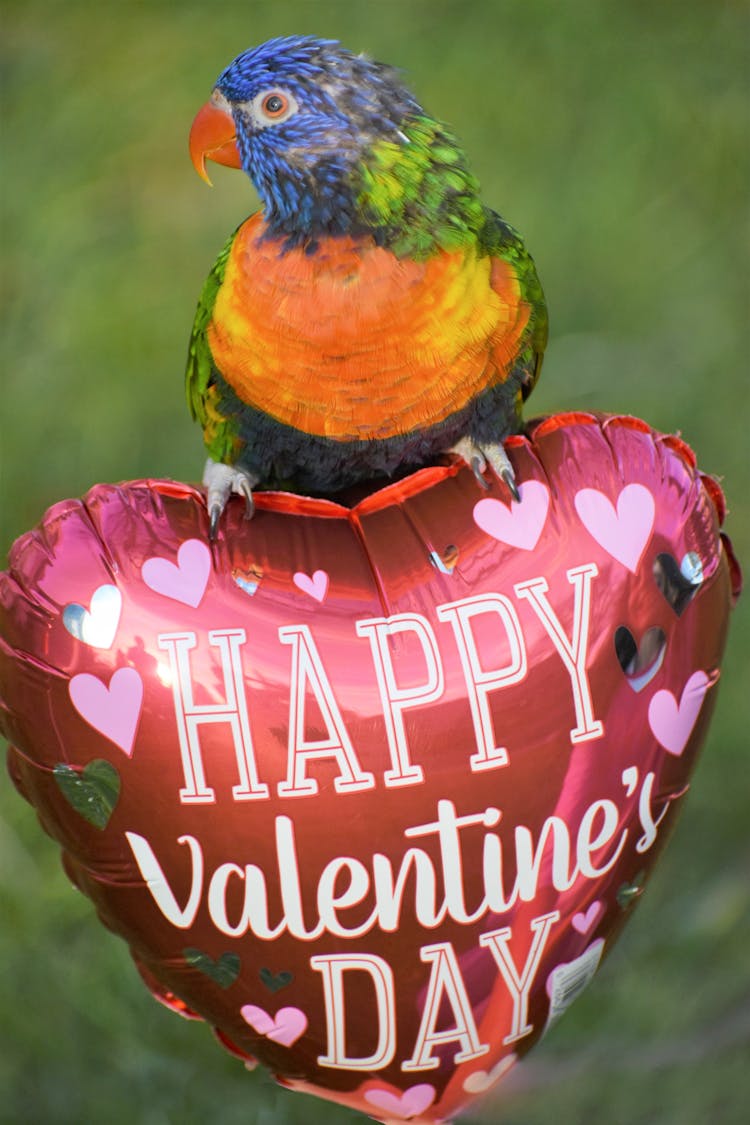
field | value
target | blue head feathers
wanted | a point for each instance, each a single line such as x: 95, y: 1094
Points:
x: 306, y: 112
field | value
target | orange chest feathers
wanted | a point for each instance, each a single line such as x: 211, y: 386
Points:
x: 352, y: 342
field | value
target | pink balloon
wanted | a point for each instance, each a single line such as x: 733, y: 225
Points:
x: 372, y: 788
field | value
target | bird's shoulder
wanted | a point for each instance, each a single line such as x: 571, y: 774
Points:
x: 201, y: 372
x: 514, y: 268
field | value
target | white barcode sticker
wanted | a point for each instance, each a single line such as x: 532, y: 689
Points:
x: 567, y: 981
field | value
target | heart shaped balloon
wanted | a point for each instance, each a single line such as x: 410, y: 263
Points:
x: 372, y: 789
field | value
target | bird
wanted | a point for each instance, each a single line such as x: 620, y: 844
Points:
x: 374, y: 315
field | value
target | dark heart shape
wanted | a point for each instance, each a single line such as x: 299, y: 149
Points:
x: 446, y: 562
x: 223, y: 971
x: 629, y: 892
x: 248, y: 579
x: 274, y: 982
x: 92, y: 791
x: 679, y: 583
x: 640, y: 663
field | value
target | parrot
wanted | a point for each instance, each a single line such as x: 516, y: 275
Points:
x: 374, y: 315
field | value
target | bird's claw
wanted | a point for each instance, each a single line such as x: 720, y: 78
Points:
x: 220, y: 482
x: 246, y: 489
x: 510, y: 480
x: 493, y: 454
x: 214, y: 515
x: 478, y: 465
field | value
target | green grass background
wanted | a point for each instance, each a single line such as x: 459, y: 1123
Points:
x: 613, y: 134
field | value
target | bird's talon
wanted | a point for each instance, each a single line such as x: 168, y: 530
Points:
x: 478, y: 457
x: 478, y: 465
x: 502, y: 468
x: 247, y: 492
x: 214, y: 515
x: 512, y: 487
x: 221, y: 481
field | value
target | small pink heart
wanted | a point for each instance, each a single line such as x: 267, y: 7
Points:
x: 115, y: 710
x: 623, y: 533
x: 316, y: 586
x: 672, y: 723
x: 285, y: 1027
x: 519, y: 525
x: 479, y: 1081
x: 410, y: 1103
x: 584, y: 920
x: 185, y: 581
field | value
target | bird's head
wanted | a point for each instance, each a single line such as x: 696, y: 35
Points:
x: 301, y: 116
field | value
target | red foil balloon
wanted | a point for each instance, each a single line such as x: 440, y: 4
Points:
x: 373, y: 789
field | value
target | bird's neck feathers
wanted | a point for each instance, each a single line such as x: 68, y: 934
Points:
x: 410, y: 192
x: 417, y: 193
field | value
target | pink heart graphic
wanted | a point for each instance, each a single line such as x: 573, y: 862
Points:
x: 412, y: 1102
x: 623, y: 533
x: 316, y: 587
x: 479, y: 1081
x: 285, y: 1027
x: 672, y: 723
x: 519, y: 525
x: 184, y: 581
x: 115, y: 710
x: 584, y: 920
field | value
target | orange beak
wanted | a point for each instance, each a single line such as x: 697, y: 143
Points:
x: 213, y: 137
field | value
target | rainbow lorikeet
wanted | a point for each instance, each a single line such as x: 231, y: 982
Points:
x: 375, y: 313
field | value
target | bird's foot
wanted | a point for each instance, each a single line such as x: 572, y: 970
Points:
x: 221, y: 481
x: 493, y: 454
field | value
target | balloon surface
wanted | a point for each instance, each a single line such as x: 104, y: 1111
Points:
x: 373, y: 789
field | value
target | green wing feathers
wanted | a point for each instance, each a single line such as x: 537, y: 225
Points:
x: 499, y: 239
x: 200, y: 384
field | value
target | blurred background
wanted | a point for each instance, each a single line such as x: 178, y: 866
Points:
x: 614, y: 136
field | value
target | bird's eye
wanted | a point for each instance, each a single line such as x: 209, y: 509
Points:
x: 273, y: 106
